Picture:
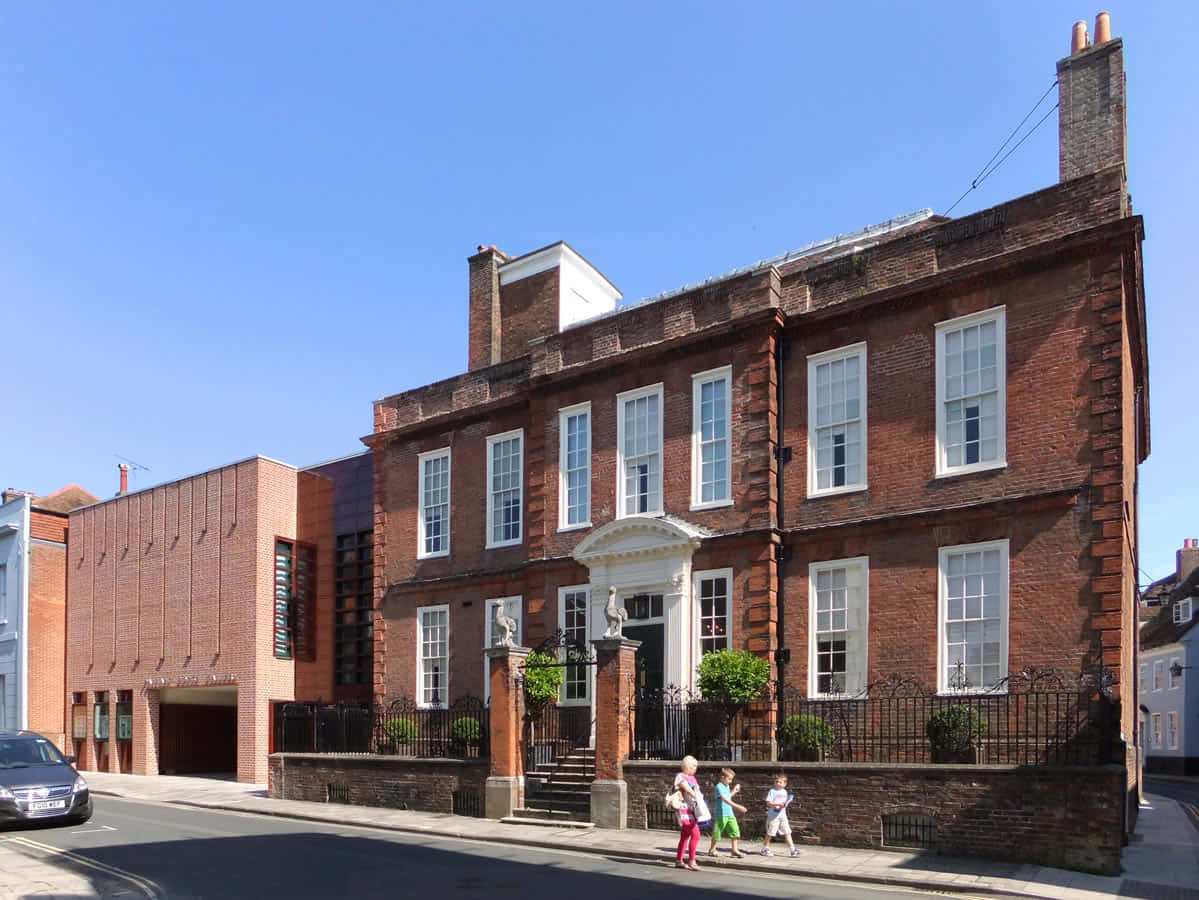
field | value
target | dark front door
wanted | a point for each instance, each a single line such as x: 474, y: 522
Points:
x: 650, y: 655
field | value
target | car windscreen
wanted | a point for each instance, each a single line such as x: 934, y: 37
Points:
x: 20, y: 754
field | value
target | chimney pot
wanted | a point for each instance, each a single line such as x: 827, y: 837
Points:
x: 1078, y: 40
x: 124, y: 478
x: 1103, y: 28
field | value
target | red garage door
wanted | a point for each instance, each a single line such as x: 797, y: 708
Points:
x: 195, y: 739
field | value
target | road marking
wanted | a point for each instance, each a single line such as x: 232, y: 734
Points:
x: 148, y: 887
x: 95, y: 830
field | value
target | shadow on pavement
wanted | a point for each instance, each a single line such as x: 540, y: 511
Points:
x: 321, y: 865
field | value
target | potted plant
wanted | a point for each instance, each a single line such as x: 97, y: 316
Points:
x: 397, y: 733
x: 805, y: 738
x: 727, y: 680
x: 465, y: 735
x: 953, y: 731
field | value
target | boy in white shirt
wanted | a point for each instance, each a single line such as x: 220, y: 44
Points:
x: 777, y: 801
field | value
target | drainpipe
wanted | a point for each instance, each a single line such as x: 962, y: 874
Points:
x: 25, y: 554
x: 782, y: 654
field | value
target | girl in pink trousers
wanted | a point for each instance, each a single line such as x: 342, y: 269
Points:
x: 686, y: 784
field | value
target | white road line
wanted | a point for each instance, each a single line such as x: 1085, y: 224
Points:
x: 96, y: 830
x: 147, y: 887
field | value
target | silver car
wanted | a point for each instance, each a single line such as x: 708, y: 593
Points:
x: 39, y: 784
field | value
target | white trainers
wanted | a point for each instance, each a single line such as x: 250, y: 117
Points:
x: 795, y: 851
x: 766, y: 851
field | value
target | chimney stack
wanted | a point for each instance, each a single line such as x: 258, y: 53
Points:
x: 1188, y: 559
x: 1092, y: 121
x: 124, y: 478
x: 484, y: 324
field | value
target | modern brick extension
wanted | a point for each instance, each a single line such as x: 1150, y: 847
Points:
x: 931, y: 424
x: 175, y: 659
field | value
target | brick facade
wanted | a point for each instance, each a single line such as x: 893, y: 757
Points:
x: 1064, y: 266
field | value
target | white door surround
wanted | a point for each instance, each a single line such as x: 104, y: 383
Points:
x: 647, y: 555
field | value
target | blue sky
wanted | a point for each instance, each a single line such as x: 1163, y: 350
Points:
x: 226, y: 228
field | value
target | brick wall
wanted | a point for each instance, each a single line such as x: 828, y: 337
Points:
x: 47, y: 626
x: 427, y: 785
x: 314, y: 525
x: 1069, y: 818
x: 176, y: 583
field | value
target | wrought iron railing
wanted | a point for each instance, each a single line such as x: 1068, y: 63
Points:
x: 1031, y: 719
x: 398, y: 727
x: 553, y: 732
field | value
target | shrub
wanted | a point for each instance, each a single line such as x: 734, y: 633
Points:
x: 806, y: 733
x: 955, y: 728
x: 467, y: 731
x: 402, y: 731
x: 543, y: 678
x: 732, y: 676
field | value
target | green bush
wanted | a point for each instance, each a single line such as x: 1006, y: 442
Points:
x: 732, y: 676
x: 402, y: 731
x: 955, y: 728
x: 806, y: 733
x: 467, y: 731
x: 543, y: 679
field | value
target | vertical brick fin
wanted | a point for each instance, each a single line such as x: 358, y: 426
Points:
x: 1092, y: 121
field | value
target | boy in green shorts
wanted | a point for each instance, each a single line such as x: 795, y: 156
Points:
x: 724, y: 821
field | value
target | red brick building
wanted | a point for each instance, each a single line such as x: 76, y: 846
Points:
x: 196, y: 607
x: 909, y: 450
x: 33, y: 608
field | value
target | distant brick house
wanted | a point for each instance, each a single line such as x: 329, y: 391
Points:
x: 33, y: 608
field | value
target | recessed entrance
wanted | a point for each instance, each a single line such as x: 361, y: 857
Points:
x: 197, y: 731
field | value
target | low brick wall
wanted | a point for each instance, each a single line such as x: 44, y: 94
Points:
x: 428, y: 785
x: 1070, y: 818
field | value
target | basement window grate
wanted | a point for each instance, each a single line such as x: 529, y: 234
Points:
x: 337, y: 793
x: 658, y: 816
x: 467, y: 803
x: 911, y: 832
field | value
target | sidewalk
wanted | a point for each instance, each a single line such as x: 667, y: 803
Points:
x: 1161, y: 862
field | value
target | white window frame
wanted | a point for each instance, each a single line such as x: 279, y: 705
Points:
x: 1158, y: 680
x: 1181, y: 618
x: 999, y: 315
x: 421, y: 459
x: 1171, y: 730
x: 3, y: 599
x: 492, y: 440
x: 588, y: 671
x: 698, y: 380
x: 1174, y: 681
x: 697, y: 578
x: 814, y: 362
x: 622, y: 399
x: 514, y: 604
x: 1155, y: 726
x: 564, y: 416
x: 421, y: 612
x: 859, y: 562
x: 1005, y: 565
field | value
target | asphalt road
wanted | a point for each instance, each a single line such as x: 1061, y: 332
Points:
x: 185, y: 852
x: 1185, y: 792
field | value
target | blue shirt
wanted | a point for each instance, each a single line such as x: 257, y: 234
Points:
x: 721, y: 808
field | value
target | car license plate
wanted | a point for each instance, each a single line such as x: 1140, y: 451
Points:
x: 47, y: 804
